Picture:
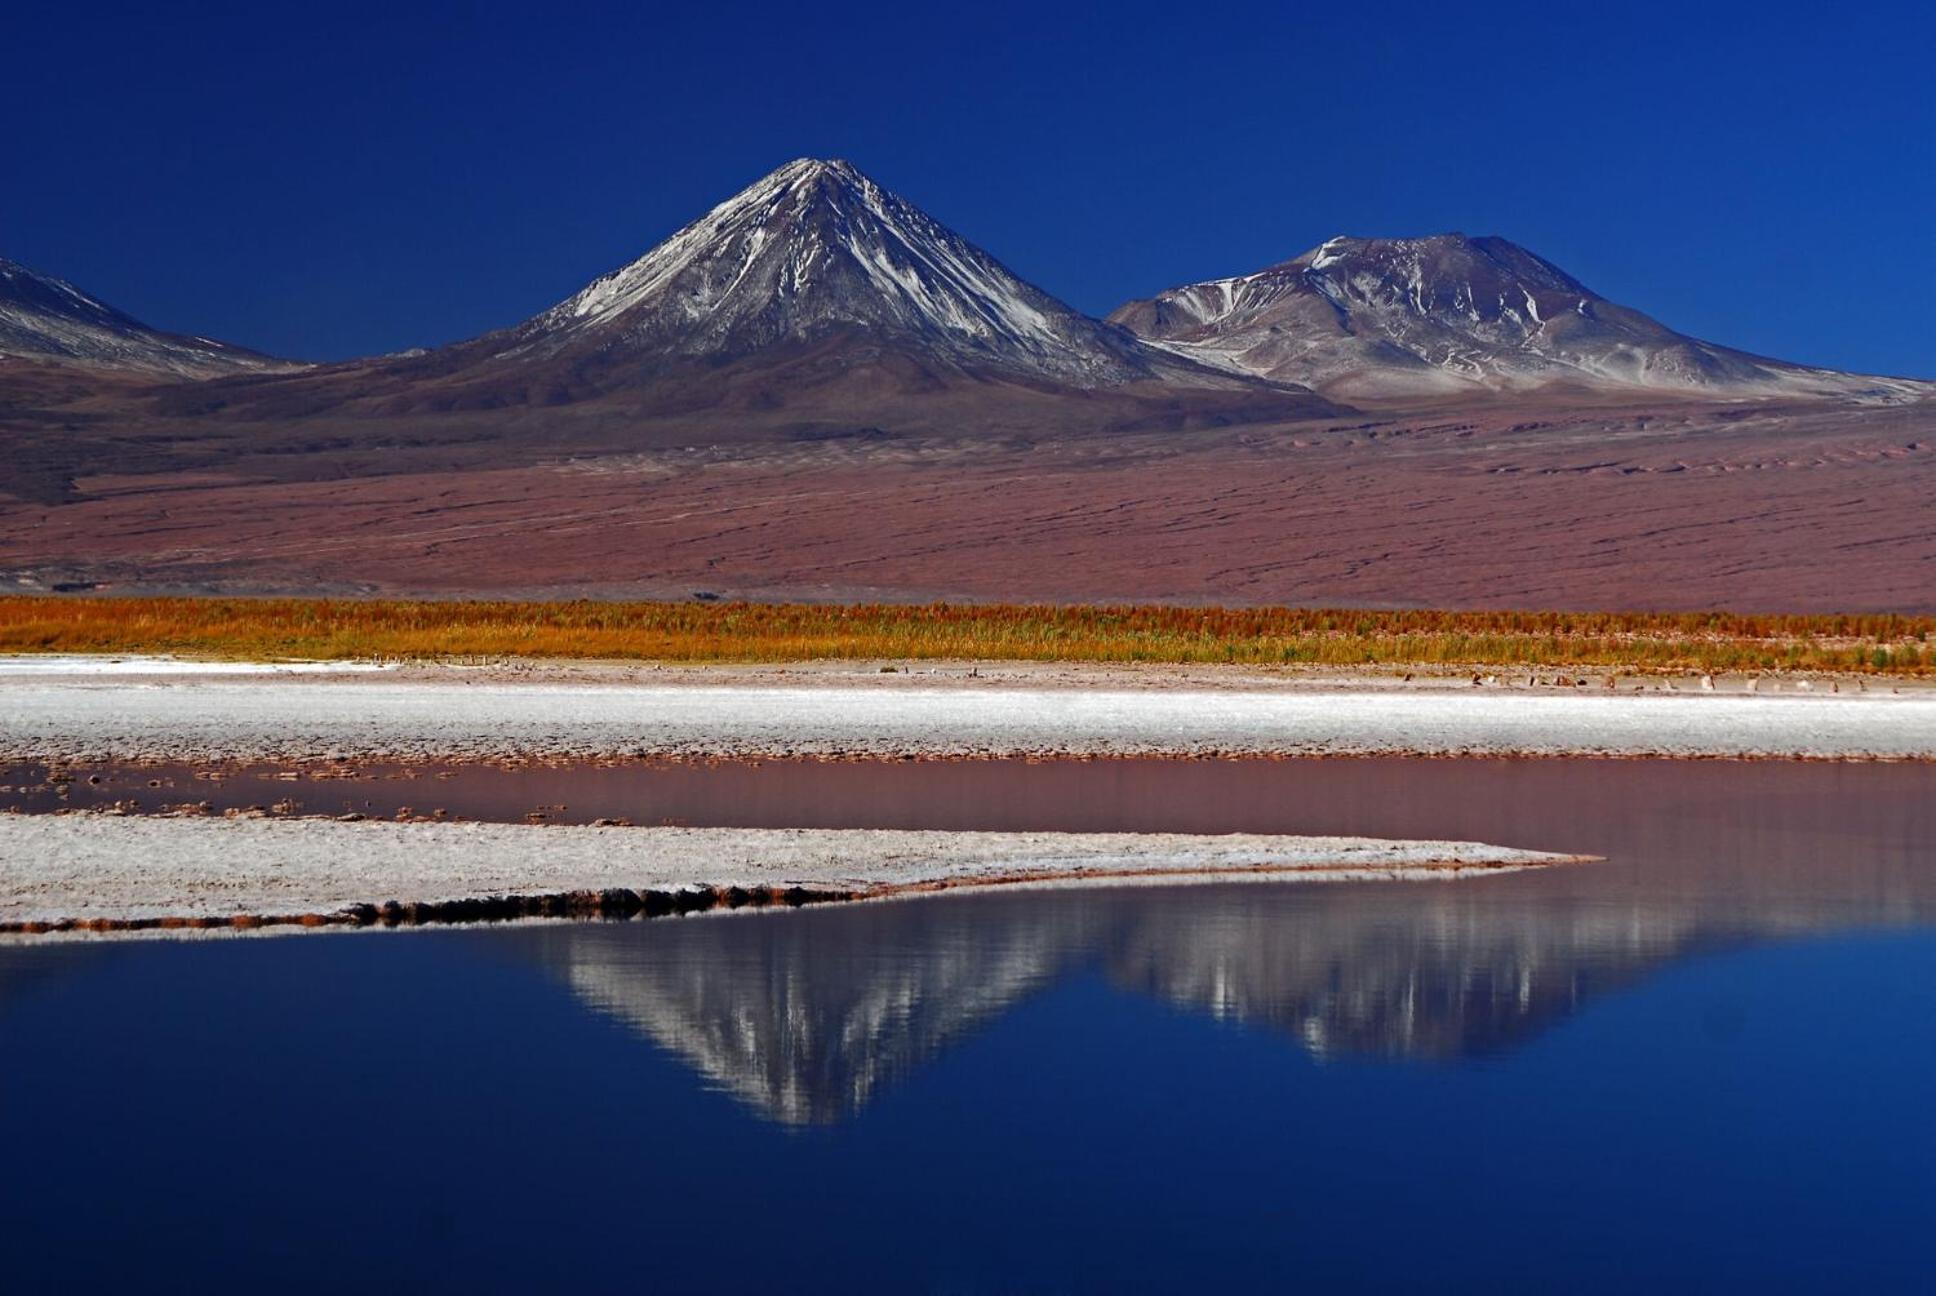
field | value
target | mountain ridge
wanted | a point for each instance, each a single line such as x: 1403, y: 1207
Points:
x: 813, y: 299
x: 47, y: 319
x: 819, y: 277
x: 757, y: 268
x: 816, y: 249
x: 1449, y: 315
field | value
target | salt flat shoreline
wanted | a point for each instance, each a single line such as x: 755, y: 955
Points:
x: 102, y: 872
x: 80, y: 709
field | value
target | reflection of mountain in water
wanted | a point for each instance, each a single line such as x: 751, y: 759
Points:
x: 806, y: 1017
x: 1454, y: 970
x: 806, y: 1022
x: 1435, y: 978
x: 1429, y: 979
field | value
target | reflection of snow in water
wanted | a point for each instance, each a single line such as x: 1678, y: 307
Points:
x: 1434, y: 978
x: 807, y: 1017
x: 804, y: 1023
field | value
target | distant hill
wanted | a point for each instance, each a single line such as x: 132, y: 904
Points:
x: 50, y: 320
x: 1451, y: 315
x: 813, y: 300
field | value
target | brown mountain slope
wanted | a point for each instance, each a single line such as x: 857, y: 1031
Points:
x: 1455, y: 316
x: 813, y: 305
x: 812, y: 296
x: 48, y: 320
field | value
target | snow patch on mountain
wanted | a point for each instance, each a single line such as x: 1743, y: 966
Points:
x: 49, y: 319
x: 1451, y: 314
x: 817, y: 249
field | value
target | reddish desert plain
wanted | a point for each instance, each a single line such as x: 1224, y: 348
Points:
x: 1534, y: 503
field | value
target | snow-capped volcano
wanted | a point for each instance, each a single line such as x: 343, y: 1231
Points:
x: 815, y: 250
x: 811, y: 304
x: 43, y: 318
x: 1451, y: 314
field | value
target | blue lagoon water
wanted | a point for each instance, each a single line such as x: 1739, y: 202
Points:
x: 1705, y: 1064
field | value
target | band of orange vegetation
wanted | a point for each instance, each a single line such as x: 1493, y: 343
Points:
x: 338, y: 629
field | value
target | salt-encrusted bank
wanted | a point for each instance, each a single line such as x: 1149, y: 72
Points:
x: 71, y: 714
x: 83, y: 868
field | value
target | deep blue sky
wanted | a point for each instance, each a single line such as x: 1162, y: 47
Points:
x: 334, y: 180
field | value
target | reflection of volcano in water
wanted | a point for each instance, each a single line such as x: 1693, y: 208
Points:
x: 1423, y: 976
x: 807, y: 1021
x: 1428, y: 979
x: 806, y: 1017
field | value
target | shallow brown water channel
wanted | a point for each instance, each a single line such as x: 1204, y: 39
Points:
x: 1575, y: 805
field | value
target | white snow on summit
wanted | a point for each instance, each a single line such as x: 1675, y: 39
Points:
x: 1451, y: 314
x: 816, y: 249
x: 49, y: 319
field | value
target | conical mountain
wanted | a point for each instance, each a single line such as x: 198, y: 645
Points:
x: 818, y: 250
x: 50, y: 320
x: 1454, y: 315
x: 811, y: 303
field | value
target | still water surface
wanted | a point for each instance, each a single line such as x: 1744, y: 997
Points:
x: 1706, y: 1063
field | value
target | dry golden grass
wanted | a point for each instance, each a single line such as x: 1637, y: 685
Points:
x: 761, y: 632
